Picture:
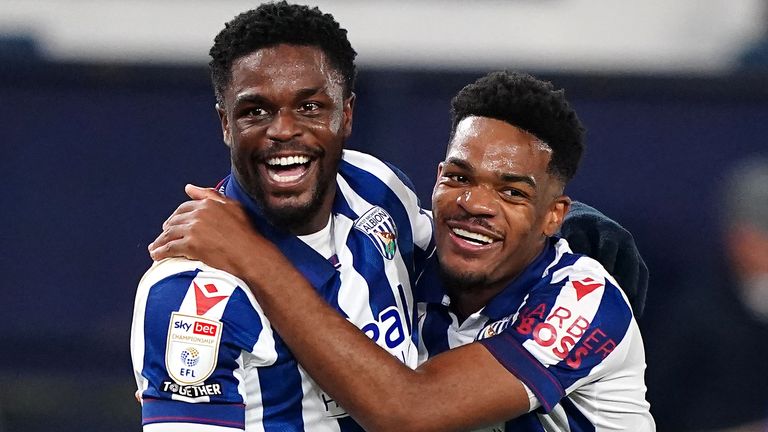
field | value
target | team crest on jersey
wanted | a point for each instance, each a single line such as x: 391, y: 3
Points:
x: 495, y: 328
x: 192, y: 348
x: 379, y: 226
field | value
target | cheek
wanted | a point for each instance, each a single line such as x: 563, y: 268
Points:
x: 441, y: 199
x: 520, y: 222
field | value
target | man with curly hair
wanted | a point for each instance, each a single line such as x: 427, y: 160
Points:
x: 339, y: 236
x: 205, y: 358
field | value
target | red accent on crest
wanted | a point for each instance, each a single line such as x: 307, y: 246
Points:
x: 583, y: 287
x: 204, y: 304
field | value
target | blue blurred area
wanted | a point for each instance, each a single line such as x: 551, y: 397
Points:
x: 95, y: 157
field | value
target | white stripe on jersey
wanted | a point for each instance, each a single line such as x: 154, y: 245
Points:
x: 394, y: 274
x: 421, y: 237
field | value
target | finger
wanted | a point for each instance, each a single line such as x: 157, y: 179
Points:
x: 168, y: 235
x: 174, y: 248
x: 198, y: 193
x: 184, y: 209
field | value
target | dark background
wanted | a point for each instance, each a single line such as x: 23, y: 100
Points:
x: 95, y: 157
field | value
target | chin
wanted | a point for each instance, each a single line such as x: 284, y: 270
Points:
x: 291, y: 212
x: 458, y: 277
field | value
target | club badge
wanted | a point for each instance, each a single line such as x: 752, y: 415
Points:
x: 379, y: 226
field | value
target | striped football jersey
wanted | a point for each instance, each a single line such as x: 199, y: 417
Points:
x: 565, y: 329
x: 204, y: 353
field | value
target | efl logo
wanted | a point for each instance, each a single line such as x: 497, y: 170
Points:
x: 204, y: 329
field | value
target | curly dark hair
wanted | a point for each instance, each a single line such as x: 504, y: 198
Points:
x: 529, y: 104
x: 272, y: 24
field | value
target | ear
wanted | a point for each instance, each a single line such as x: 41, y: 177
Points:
x: 224, y: 125
x: 348, y: 111
x: 439, y: 173
x: 558, y: 208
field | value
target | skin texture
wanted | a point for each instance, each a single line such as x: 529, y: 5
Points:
x: 286, y: 101
x: 493, y: 182
x: 461, y: 389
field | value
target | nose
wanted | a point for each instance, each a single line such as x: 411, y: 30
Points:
x: 284, y: 126
x: 478, y: 201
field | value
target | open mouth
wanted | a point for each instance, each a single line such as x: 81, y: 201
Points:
x: 473, y: 238
x: 288, y: 169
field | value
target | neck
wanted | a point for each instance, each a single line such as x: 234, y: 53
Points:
x: 468, y: 298
x: 317, y: 219
x: 465, y: 300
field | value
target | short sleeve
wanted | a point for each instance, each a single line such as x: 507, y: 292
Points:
x: 194, y: 329
x: 565, y: 333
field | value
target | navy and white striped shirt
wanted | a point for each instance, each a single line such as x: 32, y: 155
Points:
x: 562, y: 327
x: 204, y: 353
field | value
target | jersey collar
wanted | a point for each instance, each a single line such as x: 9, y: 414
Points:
x: 430, y: 288
x: 314, y: 267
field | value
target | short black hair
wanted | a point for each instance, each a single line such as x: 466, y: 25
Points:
x: 272, y: 24
x: 529, y: 104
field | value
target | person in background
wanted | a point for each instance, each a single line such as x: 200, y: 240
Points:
x: 708, y: 346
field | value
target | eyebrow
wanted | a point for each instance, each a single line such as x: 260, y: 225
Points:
x: 249, y: 98
x: 505, y: 177
x: 257, y: 98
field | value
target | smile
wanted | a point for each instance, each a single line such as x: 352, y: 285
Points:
x: 472, y: 237
x: 287, y: 169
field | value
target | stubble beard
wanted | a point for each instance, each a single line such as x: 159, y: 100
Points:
x: 293, y: 217
x: 457, y: 281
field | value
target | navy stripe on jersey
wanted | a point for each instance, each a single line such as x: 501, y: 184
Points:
x: 525, y: 423
x: 235, y: 338
x: 404, y: 302
x: 164, y: 298
x: 369, y: 263
x: 164, y: 411
x: 577, y: 421
x: 346, y: 424
x: 373, y: 190
x: 434, y: 331
x: 605, y: 332
x: 281, y: 392
x: 341, y: 207
x: 526, y: 368
x: 403, y: 178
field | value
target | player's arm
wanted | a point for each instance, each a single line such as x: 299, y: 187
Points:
x: 458, y: 390
x: 182, y: 356
x: 595, y: 235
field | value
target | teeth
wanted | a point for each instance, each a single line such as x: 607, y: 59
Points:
x: 468, y: 235
x: 286, y: 161
x: 281, y: 178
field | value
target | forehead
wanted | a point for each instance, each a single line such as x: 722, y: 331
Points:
x: 498, y: 146
x: 283, y: 67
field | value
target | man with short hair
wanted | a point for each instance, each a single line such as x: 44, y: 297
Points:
x: 205, y: 358
x: 516, y: 332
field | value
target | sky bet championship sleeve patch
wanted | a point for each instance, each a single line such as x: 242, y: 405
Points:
x: 192, y: 348
x: 379, y: 226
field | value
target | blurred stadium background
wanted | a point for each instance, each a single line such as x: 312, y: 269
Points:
x: 106, y: 112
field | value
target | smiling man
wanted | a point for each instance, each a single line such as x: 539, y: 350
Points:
x: 205, y: 358
x: 516, y: 332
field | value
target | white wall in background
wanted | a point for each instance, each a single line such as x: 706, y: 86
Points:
x: 575, y: 35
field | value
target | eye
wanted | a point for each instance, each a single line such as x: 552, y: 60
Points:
x: 256, y: 112
x: 309, y: 107
x: 458, y: 178
x: 513, y: 193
